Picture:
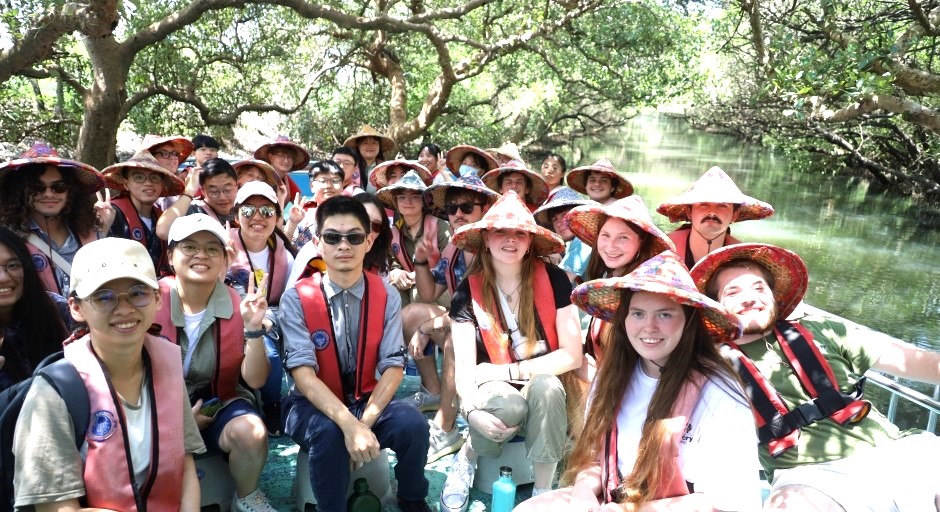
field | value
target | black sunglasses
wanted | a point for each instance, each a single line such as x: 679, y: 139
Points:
x: 466, y: 208
x: 58, y: 187
x: 336, y: 238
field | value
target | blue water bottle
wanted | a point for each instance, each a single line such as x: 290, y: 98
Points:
x: 504, y: 491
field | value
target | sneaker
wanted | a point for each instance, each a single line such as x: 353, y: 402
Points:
x: 254, y: 502
x: 413, y: 506
x: 443, y: 443
x: 424, y: 401
x: 455, y: 496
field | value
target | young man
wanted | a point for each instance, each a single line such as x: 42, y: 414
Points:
x: 600, y: 181
x: 326, y: 181
x: 219, y: 184
x: 202, y: 148
x: 341, y: 330
x: 461, y: 202
x: 285, y: 156
x: 514, y: 175
x: 828, y: 450
x: 709, y: 207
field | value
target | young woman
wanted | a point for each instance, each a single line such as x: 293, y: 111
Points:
x: 374, y: 148
x: 221, y: 337
x: 666, y: 411
x: 464, y: 159
x: 353, y: 166
x: 429, y: 155
x: 32, y: 321
x: 600, y: 181
x: 553, y: 170
x: 137, y: 450
x: 552, y: 215
x: 622, y: 236
x: 514, y: 333
x: 285, y: 156
x: 389, y: 172
x: 255, y: 170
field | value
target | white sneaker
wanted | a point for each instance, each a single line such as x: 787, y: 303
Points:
x: 424, y: 401
x: 254, y: 502
x: 455, y: 496
x: 443, y: 443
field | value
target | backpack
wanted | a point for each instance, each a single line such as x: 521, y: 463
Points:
x: 64, y: 378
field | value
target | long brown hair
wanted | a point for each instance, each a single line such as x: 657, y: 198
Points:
x: 695, y: 352
x: 597, y: 269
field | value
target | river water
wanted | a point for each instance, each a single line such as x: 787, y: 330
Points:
x: 872, y: 258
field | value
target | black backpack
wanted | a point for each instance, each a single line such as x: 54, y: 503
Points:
x: 64, y: 378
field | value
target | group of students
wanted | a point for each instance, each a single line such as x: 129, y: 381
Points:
x: 692, y: 338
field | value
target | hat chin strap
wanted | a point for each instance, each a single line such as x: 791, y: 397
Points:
x: 708, y: 241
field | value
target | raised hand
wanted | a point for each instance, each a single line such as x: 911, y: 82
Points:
x: 103, y: 210
x: 254, y: 305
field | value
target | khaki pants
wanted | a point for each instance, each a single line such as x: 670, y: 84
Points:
x: 539, y: 411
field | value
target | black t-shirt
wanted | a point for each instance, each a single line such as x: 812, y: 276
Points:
x: 461, y: 309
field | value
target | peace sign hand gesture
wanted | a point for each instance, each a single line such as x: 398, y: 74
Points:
x: 103, y: 210
x: 254, y: 305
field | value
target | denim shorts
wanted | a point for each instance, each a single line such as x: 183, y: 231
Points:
x: 212, y: 433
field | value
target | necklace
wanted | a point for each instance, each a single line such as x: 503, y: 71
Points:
x: 508, y: 296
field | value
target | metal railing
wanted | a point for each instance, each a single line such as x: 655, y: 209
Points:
x: 898, y: 391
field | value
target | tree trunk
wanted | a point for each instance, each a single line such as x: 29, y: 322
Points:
x: 103, y: 100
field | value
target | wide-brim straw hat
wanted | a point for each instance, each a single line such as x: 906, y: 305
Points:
x: 181, y: 145
x: 586, y: 221
x: 663, y: 274
x: 577, y: 177
x: 410, y: 182
x: 715, y: 186
x: 509, y: 150
x: 791, y: 278
x: 561, y: 198
x: 301, y: 156
x: 143, y: 160
x: 379, y: 174
x: 435, y: 195
x: 457, y: 153
x: 509, y: 212
x: 538, y: 189
x: 387, y: 144
x: 41, y: 153
x: 268, y: 170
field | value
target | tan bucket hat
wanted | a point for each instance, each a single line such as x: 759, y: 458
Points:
x: 387, y: 144
x: 268, y: 170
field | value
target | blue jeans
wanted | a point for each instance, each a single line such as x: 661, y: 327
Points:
x: 400, y: 427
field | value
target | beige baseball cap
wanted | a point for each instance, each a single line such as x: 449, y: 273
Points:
x: 105, y: 260
x: 183, y: 227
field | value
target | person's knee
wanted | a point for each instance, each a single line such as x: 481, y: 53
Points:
x: 546, y: 388
x: 244, y: 433
x: 801, y: 498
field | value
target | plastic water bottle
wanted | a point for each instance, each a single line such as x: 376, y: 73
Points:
x: 362, y: 499
x: 504, y: 491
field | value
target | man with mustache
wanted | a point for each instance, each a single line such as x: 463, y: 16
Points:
x: 821, y: 445
x: 709, y: 207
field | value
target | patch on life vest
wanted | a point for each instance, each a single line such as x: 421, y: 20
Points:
x: 39, y: 261
x: 103, y: 425
x: 395, y: 249
x: 137, y: 234
x: 200, y: 473
x: 320, y: 339
x: 443, y: 263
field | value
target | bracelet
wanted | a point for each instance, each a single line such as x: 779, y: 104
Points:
x: 255, y: 334
x: 420, y: 263
x: 187, y: 195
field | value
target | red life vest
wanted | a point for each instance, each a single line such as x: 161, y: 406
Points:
x: 109, y: 472
x: 450, y: 255
x: 277, y: 264
x: 229, y: 339
x: 371, y: 329
x: 671, y: 483
x: 680, y: 237
x: 45, y: 266
x: 495, y: 340
x: 778, y: 426
x: 429, y: 235
x: 135, y: 226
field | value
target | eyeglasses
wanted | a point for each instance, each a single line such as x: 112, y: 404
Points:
x: 213, y: 250
x: 216, y: 192
x: 408, y: 197
x: 248, y: 211
x: 345, y: 164
x: 466, y: 208
x: 106, y: 300
x: 139, y: 177
x: 58, y: 187
x: 166, y: 154
x: 333, y: 182
x: 13, y: 267
x: 376, y: 225
x: 332, y: 238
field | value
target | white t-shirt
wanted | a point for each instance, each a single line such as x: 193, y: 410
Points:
x: 138, y: 433
x: 718, y: 455
x: 192, y: 321
x: 260, y: 260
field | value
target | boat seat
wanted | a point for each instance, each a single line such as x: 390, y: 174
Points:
x: 216, y: 485
x: 375, y: 472
x: 514, y: 456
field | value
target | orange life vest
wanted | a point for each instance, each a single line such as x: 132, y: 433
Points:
x: 319, y: 323
x: 109, y: 473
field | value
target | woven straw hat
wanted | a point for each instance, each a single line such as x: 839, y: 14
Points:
x: 268, y: 170
x: 577, y: 177
x: 143, y: 160
x: 410, y: 181
x: 435, y: 195
x: 715, y: 186
x: 509, y: 212
x: 509, y: 150
x: 301, y: 156
x: 791, y: 278
x: 40, y: 153
x: 538, y: 189
x: 379, y: 174
x: 457, y: 153
x: 663, y: 274
x: 586, y: 221
x: 181, y: 145
x: 561, y: 198
x: 386, y: 144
